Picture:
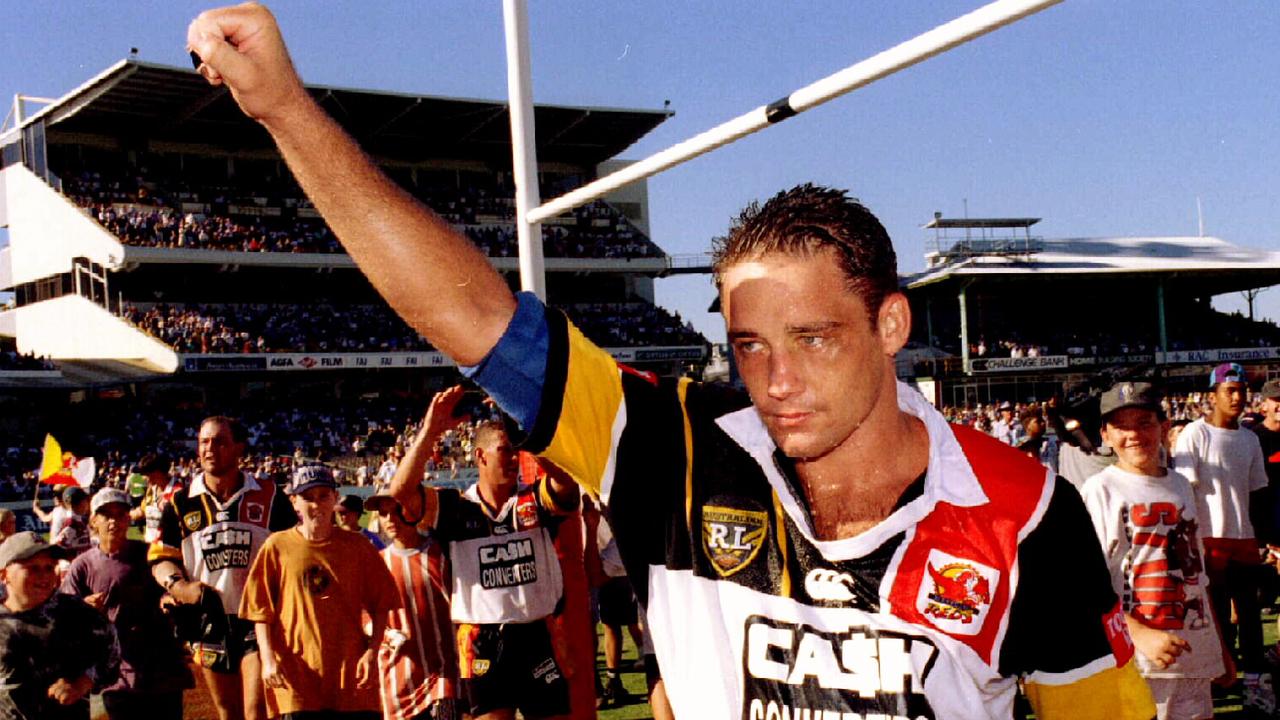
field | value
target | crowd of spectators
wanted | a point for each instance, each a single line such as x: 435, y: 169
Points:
x: 266, y: 328
x: 148, y: 213
x: 632, y: 325
x: 13, y: 360
x: 1197, y: 328
x: 355, y: 436
x: 169, y: 228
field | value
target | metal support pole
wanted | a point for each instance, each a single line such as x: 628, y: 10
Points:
x: 524, y: 151
x: 928, y: 317
x: 964, y: 328
x: 1164, y: 336
x: 922, y: 47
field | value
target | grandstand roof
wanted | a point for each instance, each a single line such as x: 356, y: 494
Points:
x: 1214, y: 265
x: 939, y: 222
x: 158, y: 102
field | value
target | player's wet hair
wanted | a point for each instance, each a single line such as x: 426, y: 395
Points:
x: 232, y: 425
x: 803, y: 221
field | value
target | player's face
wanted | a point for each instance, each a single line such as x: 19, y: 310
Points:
x: 500, y: 464
x: 1135, y: 434
x: 1229, y: 399
x: 31, y: 581
x: 314, y: 506
x: 218, y: 452
x: 806, y: 349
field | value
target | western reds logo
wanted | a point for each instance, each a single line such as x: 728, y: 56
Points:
x: 956, y: 593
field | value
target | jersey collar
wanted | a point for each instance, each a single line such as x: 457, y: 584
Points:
x: 949, y: 477
x: 248, y: 483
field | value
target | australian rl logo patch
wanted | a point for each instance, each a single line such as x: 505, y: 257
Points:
x: 955, y: 593
x: 192, y: 520
x: 732, y: 537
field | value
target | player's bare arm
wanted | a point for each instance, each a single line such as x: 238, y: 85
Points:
x: 432, y: 276
x: 439, y: 419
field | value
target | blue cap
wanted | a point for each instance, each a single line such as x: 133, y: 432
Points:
x: 309, y: 476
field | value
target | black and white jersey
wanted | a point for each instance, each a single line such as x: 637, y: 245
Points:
x: 216, y: 542
x: 987, y: 572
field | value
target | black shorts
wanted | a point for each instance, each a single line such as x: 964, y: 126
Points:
x: 652, y: 673
x: 218, y: 641
x: 511, y: 666
x: 618, y: 603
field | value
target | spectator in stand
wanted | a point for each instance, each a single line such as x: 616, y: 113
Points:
x: 54, y: 649
x: 306, y: 592
x: 387, y: 470
x: 347, y: 515
x: 114, y: 578
x: 1008, y: 429
x: 1225, y: 466
x: 417, y: 661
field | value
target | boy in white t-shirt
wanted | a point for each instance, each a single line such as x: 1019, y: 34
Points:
x: 1145, y: 516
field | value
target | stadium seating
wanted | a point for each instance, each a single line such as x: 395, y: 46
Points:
x: 265, y: 328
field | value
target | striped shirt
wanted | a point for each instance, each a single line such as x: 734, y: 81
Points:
x: 425, y: 670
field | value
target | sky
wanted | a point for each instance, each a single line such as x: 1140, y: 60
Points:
x: 1102, y: 118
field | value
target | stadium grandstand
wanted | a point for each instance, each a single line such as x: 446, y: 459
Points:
x: 1004, y: 314
x: 164, y: 265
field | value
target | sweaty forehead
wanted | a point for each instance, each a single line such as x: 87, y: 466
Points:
x: 211, y: 430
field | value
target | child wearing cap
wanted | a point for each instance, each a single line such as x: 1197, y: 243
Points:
x: 1145, y: 517
x: 114, y: 577
x: 54, y: 649
x: 305, y: 594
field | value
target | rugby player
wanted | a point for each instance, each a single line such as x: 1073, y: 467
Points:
x: 209, y: 535
x: 829, y: 545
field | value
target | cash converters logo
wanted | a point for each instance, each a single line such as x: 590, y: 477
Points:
x: 794, y: 670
